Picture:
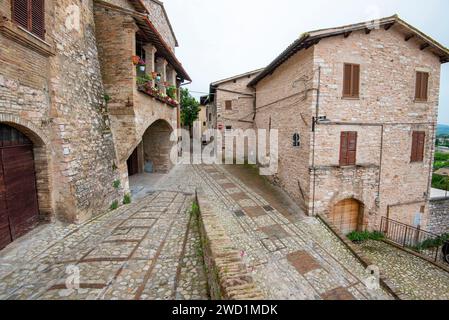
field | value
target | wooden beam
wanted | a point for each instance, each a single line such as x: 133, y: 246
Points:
x: 424, y: 46
x: 347, y: 34
x: 388, y: 26
x: 410, y: 36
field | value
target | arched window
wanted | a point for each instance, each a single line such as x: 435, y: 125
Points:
x: 296, y: 140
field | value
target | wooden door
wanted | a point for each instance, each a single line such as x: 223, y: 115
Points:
x: 346, y: 215
x: 19, y: 211
x: 20, y: 184
x: 133, y: 164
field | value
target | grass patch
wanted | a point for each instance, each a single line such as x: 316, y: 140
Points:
x: 362, y: 236
x: 114, y: 205
x: 127, y: 199
x: 116, y: 184
x: 432, y: 243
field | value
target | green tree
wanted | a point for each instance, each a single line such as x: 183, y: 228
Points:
x: 190, y: 108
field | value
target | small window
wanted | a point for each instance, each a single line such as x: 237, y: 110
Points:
x: 228, y: 104
x: 418, y: 142
x: 422, y: 86
x: 30, y: 14
x: 204, y: 124
x: 296, y: 140
x: 351, y: 81
x: 210, y: 117
x: 228, y: 128
x: 348, y: 149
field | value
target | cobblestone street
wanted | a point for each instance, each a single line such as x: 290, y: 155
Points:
x: 418, y: 279
x: 151, y: 249
x: 148, y: 250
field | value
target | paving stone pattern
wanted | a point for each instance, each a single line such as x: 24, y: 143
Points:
x: 142, y: 251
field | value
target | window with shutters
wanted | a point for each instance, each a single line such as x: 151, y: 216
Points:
x: 422, y: 86
x: 351, y: 81
x: 228, y: 104
x: 348, y: 149
x: 418, y: 143
x: 30, y: 14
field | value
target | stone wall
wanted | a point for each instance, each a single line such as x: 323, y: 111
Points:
x: 84, y: 153
x: 439, y: 216
x: 385, y: 117
x: 160, y: 20
x: 131, y: 112
x: 284, y: 102
x: 228, y: 276
x: 52, y: 91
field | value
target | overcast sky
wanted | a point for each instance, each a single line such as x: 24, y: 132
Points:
x: 222, y: 38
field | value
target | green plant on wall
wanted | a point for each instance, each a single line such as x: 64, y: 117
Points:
x: 358, y: 236
x: 127, y: 199
x: 171, y: 92
x: 114, y: 205
x: 116, y: 184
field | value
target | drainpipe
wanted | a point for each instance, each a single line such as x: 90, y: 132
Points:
x: 314, y: 124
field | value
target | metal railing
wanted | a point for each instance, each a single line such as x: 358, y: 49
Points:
x: 420, y: 241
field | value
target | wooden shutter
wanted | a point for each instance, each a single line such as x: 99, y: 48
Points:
x: 30, y: 14
x: 348, y: 148
x: 422, y: 86
x: 228, y: 105
x: 418, y: 145
x: 351, y: 80
x: 38, y: 18
x: 20, y: 12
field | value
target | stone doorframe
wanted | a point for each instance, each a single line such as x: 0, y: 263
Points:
x: 42, y: 162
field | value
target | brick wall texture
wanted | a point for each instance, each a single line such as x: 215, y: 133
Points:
x: 384, y: 180
x: 54, y: 91
x: 439, y: 216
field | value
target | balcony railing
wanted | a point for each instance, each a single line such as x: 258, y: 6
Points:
x: 420, y: 241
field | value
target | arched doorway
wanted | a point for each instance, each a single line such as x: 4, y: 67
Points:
x: 152, y: 155
x: 157, y: 147
x: 347, y: 215
x: 19, y: 210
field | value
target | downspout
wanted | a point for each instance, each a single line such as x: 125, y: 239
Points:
x: 314, y: 124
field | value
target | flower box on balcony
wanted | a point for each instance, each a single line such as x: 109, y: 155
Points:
x: 155, y: 93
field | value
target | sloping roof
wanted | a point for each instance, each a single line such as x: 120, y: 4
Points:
x: 168, y: 20
x: 311, y: 38
x: 246, y: 74
x: 153, y: 36
x: 150, y: 33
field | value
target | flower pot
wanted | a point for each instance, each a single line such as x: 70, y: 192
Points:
x: 135, y: 60
x: 142, y: 68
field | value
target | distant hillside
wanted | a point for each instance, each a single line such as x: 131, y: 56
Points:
x: 443, y: 129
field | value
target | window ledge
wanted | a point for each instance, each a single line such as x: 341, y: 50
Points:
x: 25, y: 38
x: 420, y: 101
x: 350, y: 98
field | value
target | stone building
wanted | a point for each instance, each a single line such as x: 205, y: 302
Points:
x: 231, y: 102
x: 356, y: 108
x: 71, y: 113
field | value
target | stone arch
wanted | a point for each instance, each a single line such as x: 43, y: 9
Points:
x: 347, y: 214
x: 42, y: 161
x: 152, y: 152
x: 157, y: 146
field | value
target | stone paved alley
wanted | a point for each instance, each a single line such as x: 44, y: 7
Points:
x: 150, y: 249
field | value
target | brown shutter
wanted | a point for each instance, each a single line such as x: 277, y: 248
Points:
x: 418, y: 145
x: 355, y: 80
x: 421, y: 144
x: 38, y: 18
x: 228, y: 105
x: 343, y: 149
x: 352, y: 148
x: 348, y: 148
x: 347, y: 80
x: 422, y: 86
x: 20, y: 9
